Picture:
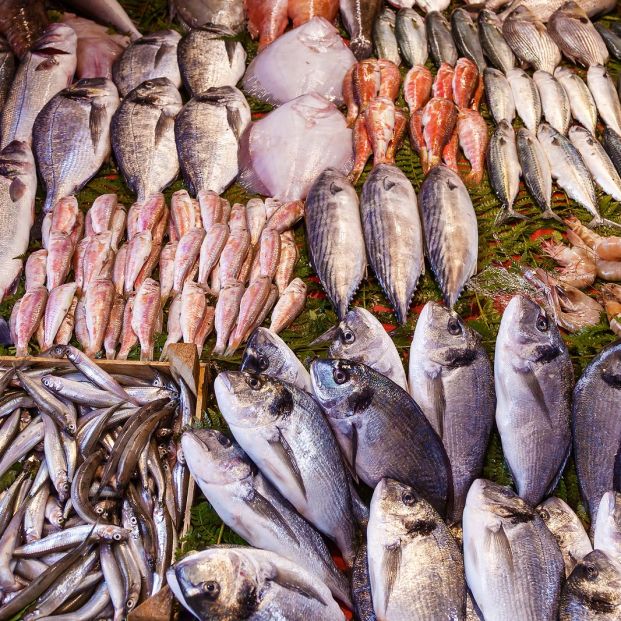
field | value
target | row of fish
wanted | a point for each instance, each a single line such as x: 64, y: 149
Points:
x: 90, y: 520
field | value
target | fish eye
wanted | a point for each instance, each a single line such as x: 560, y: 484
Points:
x: 591, y: 572
x: 542, y: 323
x: 454, y: 326
x: 211, y: 589
x: 408, y: 499
x: 340, y: 375
x: 253, y: 382
x: 347, y: 336
x: 545, y: 516
x: 117, y: 537
x: 224, y: 441
x: 264, y: 363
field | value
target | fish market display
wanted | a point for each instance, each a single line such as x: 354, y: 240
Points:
x: 72, y: 136
x: 309, y: 59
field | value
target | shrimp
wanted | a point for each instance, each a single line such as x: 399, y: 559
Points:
x: 608, y: 270
x: 577, y: 263
x: 589, y: 237
x: 606, y: 248
x: 611, y: 295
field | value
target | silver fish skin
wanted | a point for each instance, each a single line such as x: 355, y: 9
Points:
x: 530, y: 41
x: 18, y: 186
x: 71, y: 137
x: 362, y: 405
x: 451, y: 379
x: 611, y: 141
x: 593, y: 591
x: 543, y: 9
x: 576, y: 36
x: 384, y: 37
x: 284, y: 432
x: 393, y: 234
x: 514, y: 568
x: 536, y: 171
x: 207, y: 132
x: 596, y: 430
x: 194, y: 13
x: 253, y: 585
x: 335, y: 238
x: 411, y: 552
x: 596, y: 160
x: 143, y: 137
x: 44, y: 71
x: 151, y: 56
x: 611, y: 40
x: 7, y: 69
x: 534, y: 379
x: 441, y: 44
x: 605, y: 95
x: 581, y: 103
x: 570, y: 172
x: 358, y: 17
x: 607, y: 529
x: 466, y: 37
x: 109, y: 12
x: 495, y: 48
x: 526, y: 97
x: 499, y: 95
x: 210, y: 57
x: 411, y: 35
x: 247, y: 502
x: 362, y: 338
x: 554, y: 101
x: 267, y: 353
x: 443, y: 199
x: 567, y: 529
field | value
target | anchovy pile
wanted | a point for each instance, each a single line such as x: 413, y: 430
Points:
x: 90, y: 521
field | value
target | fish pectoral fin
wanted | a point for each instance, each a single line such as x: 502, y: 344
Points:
x: 17, y: 189
x: 326, y: 337
x: 498, y: 544
x: 436, y: 389
x: 96, y: 122
x: 164, y: 124
x: 284, y: 452
x: 263, y: 507
x: 535, y: 389
x: 391, y: 561
x: 290, y: 581
x: 230, y: 45
x: 233, y: 118
x: 164, y: 50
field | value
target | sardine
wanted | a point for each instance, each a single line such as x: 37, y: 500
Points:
x: 554, y: 101
x: 583, y: 108
x: 526, y: 97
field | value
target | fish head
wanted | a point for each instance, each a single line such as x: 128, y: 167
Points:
x: 487, y: 17
x: 556, y: 514
x: 251, y: 400
x: 530, y: 332
x: 521, y: 13
x: 498, y: 503
x: 445, y: 338
x: 596, y: 581
x: 213, y: 458
x: 353, y: 336
x: 113, y: 534
x: 570, y: 10
x: 265, y: 352
x: 215, y: 584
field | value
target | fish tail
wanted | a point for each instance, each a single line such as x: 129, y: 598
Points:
x: 548, y: 214
x: 506, y: 214
x: 599, y: 221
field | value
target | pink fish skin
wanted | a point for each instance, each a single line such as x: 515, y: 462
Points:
x: 417, y: 88
x: 59, y: 253
x: 250, y: 267
x: 380, y: 123
x: 78, y: 263
x: 99, y: 216
x: 118, y: 227
x: 64, y: 215
x: 227, y: 309
x: 97, y: 254
x: 204, y: 329
x: 269, y: 253
x: 35, y: 269
x: 211, y: 208
x: 28, y: 316
x: 98, y: 300
x: 182, y: 212
x: 365, y: 82
x: 439, y: 120
x: 65, y: 331
x: 138, y: 251
x: 401, y: 123
x: 473, y: 138
x: 188, y: 250
x: 80, y: 327
x: 193, y: 303
x: 363, y: 149
x: 145, y: 316
x: 256, y: 218
x: 349, y: 97
x: 118, y: 271
x: 167, y: 270
x: 113, y: 329
x: 128, y: 336
x: 267, y: 20
x: 267, y: 307
x: 286, y: 216
x: 77, y: 232
x: 465, y: 82
x: 58, y: 304
x: 237, y: 218
x: 150, y: 213
x: 290, y: 305
x: 443, y: 84
x: 289, y: 256
x: 233, y: 254
x: 211, y: 249
x: 390, y: 79
x: 173, y: 327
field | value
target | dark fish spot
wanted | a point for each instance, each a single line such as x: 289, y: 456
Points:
x: 583, y: 20
x: 335, y: 188
x: 555, y: 141
x: 360, y: 400
x: 451, y: 186
x: 282, y: 404
x: 611, y: 378
x: 546, y: 353
x: 522, y: 517
x: 600, y: 605
x: 461, y: 357
x: 421, y: 527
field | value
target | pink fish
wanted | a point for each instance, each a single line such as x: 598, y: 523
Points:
x: 35, y: 269
x: 286, y: 264
x: 28, y: 316
x: 65, y: 330
x: 390, y: 79
x: 227, y: 309
x: 290, y: 305
x: 211, y: 249
x: 443, y: 83
x: 182, y: 212
x: 58, y: 304
x: 417, y: 88
x: 256, y: 217
x: 113, y: 329
x: 401, y: 123
x: 64, y: 215
x: 349, y: 97
x: 149, y: 265
x: 380, y: 123
x: 269, y: 253
x: 138, y: 251
x: 128, y: 336
x: 118, y: 271
x: 233, y: 254
x: 363, y: 149
x: 173, y: 327
x: 59, y: 253
x: 188, y: 250
x: 286, y: 216
x: 98, y: 300
x: 267, y: 307
x: 99, y: 216
x: 193, y: 303
x: 80, y: 327
x: 465, y: 82
x: 145, y: 315
x: 97, y: 254
x: 473, y: 138
x: 212, y: 208
x: 167, y: 269
x: 204, y: 329
x: 118, y: 227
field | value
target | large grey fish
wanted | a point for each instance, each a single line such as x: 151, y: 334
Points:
x: 525, y: 97
x: 245, y: 584
x: 267, y: 353
x: 207, y: 132
x: 71, y: 136
x: 611, y: 39
x: 209, y: 56
x: 7, y: 70
x: 543, y: 9
x: 247, y: 502
x: 441, y: 44
x: 581, y: 103
x: 384, y: 37
x: 535, y: 171
x: 593, y: 591
x: 605, y: 95
x: 554, y: 101
x: 412, y: 37
x: 335, y: 239
x: 466, y: 36
x: 151, y: 56
x: 611, y: 141
x: 495, y: 48
x: 567, y: 529
x: 596, y: 428
x: 227, y: 13
x: 18, y: 186
x: 285, y: 433
x: 143, y: 137
x: 452, y: 253
x: 46, y: 69
x: 451, y: 379
x: 607, y: 530
x: 534, y: 380
x: 358, y: 17
x: 109, y: 12
x: 530, y: 41
x: 576, y: 37
x: 514, y: 568
x: 381, y: 430
x: 362, y: 338
x: 393, y: 235
x: 499, y: 95
x: 415, y: 566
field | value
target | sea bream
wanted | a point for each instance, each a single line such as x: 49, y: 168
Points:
x: 384, y: 37
x: 441, y: 45
x: 194, y: 13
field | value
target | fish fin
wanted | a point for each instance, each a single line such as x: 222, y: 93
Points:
x: 290, y: 581
x: 47, y: 64
x: 230, y: 45
x: 506, y: 214
x: 96, y: 122
x: 285, y: 454
x: 535, y: 389
x: 326, y: 337
x: 161, y: 53
x: 164, y: 124
x: 17, y: 189
x: 261, y: 505
x: 599, y: 221
x: 557, y: 478
x: 436, y: 388
x: 360, y: 400
x: 391, y: 561
x: 234, y: 120
x: 498, y: 544
x: 548, y: 214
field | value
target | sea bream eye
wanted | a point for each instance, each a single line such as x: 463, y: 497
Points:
x: 542, y: 323
x: 453, y: 326
x: 264, y: 363
x: 340, y: 375
x: 211, y: 589
x: 253, y: 382
x: 347, y: 336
